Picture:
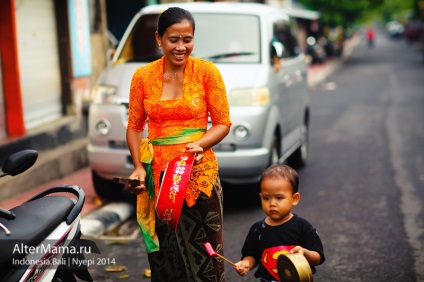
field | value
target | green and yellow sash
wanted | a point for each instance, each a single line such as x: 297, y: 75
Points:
x: 145, y: 201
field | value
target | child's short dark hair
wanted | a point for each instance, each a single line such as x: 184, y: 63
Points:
x: 282, y: 171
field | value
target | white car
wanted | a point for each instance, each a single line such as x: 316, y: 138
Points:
x: 255, y: 48
x: 395, y: 29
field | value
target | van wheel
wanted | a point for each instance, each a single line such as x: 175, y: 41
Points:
x: 299, y: 157
x: 106, y: 189
x: 275, y: 155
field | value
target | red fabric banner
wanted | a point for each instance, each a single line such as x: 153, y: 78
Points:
x: 172, y: 190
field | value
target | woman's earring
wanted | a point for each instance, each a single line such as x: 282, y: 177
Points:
x: 160, y: 46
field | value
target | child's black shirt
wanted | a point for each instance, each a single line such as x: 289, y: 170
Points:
x: 265, y: 243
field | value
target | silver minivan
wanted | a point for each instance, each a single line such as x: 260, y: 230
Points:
x: 256, y: 50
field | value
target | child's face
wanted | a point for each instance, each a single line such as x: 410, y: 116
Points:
x: 277, y: 199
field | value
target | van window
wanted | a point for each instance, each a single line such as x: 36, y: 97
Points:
x: 227, y: 38
x: 283, y: 32
x: 141, y: 45
x: 221, y: 38
x: 294, y: 37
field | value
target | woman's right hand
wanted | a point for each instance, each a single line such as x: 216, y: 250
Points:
x: 140, y: 174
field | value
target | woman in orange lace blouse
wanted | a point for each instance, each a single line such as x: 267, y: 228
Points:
x: 176, y: 94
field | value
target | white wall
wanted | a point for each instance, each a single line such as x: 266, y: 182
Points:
x: 38, y: 57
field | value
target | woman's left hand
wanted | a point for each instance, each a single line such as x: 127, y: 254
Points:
x: 193, y: 148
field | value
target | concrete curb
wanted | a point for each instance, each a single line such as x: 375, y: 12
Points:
x: 324, y: 73
x: 331, y: 66
x: 105, y: 219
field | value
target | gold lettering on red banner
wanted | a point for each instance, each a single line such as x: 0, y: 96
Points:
x: 172, y: 193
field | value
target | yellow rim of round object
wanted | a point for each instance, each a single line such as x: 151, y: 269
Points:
x: 294, y: 268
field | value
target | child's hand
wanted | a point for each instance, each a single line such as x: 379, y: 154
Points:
x: 297, y: 249
x: 313, y: 257
x: 242, y: 268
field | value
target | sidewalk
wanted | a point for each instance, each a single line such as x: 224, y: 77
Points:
x: 69, y: 162
x: 319, y: 72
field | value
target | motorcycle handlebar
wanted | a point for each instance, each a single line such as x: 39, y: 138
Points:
x: 9, y: 215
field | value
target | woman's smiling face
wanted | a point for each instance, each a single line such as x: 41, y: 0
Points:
x: 177, y: 43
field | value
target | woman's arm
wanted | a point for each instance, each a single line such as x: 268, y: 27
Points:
x: 133, y: 140
x: 212, y: 137
x: 218, y: 109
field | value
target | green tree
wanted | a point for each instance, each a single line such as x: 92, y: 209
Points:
x: 343, y: 12
x: 395, y: 10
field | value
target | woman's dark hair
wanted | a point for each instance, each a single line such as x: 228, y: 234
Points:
x: 284, y: 172
x: 172, y: 16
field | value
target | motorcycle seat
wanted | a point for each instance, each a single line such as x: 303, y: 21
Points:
x: 34, y: 221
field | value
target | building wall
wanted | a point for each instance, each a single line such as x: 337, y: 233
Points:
x: 40, y: 82
x: 38, y: 62
x: 2, y: 116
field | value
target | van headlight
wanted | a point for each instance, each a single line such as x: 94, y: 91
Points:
x: 105, y: 94
x: 249, y: 97
x: 102, y: 127
x: 241, y: 132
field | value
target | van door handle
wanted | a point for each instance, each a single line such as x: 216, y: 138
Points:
x: 287, y: 80
x: 300, y: 75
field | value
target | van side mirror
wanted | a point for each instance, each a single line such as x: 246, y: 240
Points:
x: 112, y: 45
x: 278, y: 49
x: 277, y: 53
x: 110, y: 53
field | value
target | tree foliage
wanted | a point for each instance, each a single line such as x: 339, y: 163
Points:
x: 395, y: 10
x: 343, y: 12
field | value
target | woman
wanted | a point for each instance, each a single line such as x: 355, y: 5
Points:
x: 176, y: 94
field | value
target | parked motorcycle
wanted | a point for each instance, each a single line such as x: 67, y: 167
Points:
x: 315, y: 51
x: 40, y: 240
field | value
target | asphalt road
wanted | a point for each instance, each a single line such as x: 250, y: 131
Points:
x: 363, y: 186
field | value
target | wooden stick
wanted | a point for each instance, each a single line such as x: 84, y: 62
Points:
x: 227, y: 260
x: 212, y: 253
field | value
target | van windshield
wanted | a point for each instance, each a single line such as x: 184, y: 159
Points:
x: 221, y: 38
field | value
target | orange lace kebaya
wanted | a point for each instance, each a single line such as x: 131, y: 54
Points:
x: 203, y: 93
